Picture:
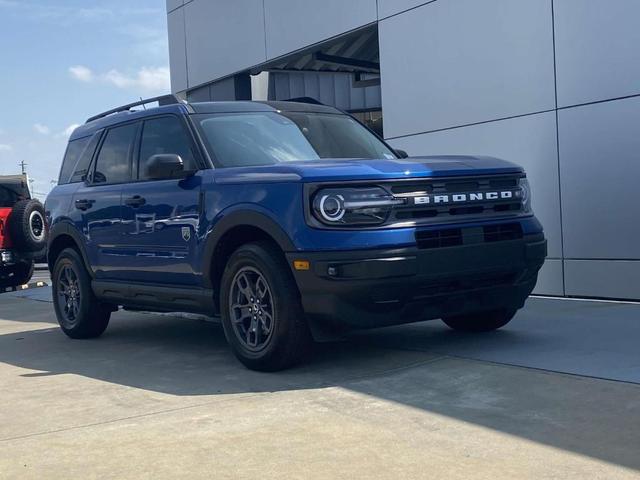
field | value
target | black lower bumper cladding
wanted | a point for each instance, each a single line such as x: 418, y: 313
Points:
x: 363, y: 289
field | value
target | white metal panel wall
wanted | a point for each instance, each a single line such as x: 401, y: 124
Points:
x: 529, y: 141
x: 605, y: 279
x: 294, y: 24
x: 457, y: 62
x: 600, y: 171
x: 597, y: 49
x: 387, y: 8
x: 177, y: 52
x: 173, y: 4
x: 223, y: 37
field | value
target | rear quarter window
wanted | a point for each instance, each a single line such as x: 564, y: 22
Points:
x: 77, y: 159
x: 71, y: 156
x: 84, y: 162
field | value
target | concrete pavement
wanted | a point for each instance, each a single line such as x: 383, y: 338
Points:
x: 161, y: 397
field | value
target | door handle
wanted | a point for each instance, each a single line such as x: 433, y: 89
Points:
x: 84, y: 204
x: 135, y: 201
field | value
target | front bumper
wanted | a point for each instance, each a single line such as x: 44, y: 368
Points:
x: 363, y: 289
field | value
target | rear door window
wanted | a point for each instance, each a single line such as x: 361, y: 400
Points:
x: 113, y: 164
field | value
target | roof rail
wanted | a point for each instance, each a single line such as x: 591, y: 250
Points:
x: 162, y: 100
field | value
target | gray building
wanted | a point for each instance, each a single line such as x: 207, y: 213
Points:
x: 551, y: 84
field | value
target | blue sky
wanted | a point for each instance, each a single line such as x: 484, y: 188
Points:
x: 62, y: 61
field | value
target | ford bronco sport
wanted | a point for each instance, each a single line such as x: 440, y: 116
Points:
x: 289, y: 220
x: 22, y: 231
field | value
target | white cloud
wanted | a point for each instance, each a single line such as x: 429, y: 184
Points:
x: 81, y: 73
x: 69, y: 130
x: 147, y: 78
x: 42, y: 129
x: 5, y: 148
x: 150, y: 79
x: 66, y: 133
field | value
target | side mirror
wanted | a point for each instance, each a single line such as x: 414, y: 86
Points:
x: 401, y: 153
x: 165, y: 165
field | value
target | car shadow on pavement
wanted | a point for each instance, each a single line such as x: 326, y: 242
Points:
x: 179, y: 356
x: 176, y: 356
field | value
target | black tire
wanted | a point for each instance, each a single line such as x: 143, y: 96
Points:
x: 16, y: 275
x: 79, y: 312
x: 27, y: 226
x: 480, y: 321
x: 23, y: 272
x: 280, y: 342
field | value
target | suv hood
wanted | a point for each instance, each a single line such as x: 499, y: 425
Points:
x: 368, y: 169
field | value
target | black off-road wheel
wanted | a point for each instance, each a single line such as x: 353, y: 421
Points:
x: 480, y: 321
x: 27, y: 226
x: 262, y: 316
x: 79, y: 313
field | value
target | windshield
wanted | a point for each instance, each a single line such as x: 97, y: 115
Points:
x: 266, y: 138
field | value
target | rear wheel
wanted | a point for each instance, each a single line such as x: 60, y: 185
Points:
x: 261, y: 311
x: 480, y: 321
x: 79, y: 312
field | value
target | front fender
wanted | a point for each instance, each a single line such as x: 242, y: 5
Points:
x: 252, y: 215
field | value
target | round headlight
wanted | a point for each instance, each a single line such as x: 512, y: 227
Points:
x: 353, y: 206
x: 331, y: 207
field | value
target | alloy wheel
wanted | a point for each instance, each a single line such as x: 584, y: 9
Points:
x: 251, y: 308
x: 69, y: 295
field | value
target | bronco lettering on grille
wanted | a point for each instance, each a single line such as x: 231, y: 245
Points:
x: 465, y: 197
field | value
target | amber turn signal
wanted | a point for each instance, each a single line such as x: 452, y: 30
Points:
x: 301, y: 264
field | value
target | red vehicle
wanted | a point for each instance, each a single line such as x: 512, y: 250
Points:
x: 23, y: 231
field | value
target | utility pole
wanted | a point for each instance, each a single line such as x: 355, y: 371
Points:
x: 23, y: 165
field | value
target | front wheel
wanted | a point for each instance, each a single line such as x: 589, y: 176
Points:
x: 261, y: 311
x: 480, y: 321
x: 79, y: 312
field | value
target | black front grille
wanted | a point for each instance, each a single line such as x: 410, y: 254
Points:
x: 453, y: 237
x: 502, y: 232
x: 459, y: 188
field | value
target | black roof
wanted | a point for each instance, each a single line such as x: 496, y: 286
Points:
x: 122, y: 114
x: 247, y: 106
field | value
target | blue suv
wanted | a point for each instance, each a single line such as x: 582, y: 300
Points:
x: 290, y: 220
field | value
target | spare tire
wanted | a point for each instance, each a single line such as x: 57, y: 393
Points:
x: 27, y: 226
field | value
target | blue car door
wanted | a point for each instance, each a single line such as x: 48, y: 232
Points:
x: 99, y: 200
x: 161, y: 216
